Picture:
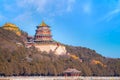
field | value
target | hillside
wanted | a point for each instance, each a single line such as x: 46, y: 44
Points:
x: 17, y: 60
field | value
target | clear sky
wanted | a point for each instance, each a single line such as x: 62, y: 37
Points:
x: 93, y: 24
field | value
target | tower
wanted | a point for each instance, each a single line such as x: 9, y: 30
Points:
x: 43, y: 33
x: 43, y: 41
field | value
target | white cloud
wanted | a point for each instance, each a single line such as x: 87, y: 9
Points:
x: 47, y: 6
x: 70, y: 5
x: 24, y: 10
x: 110, y: 15
x: 39, y: 5
x: 23, y: 17
x: 46, y: 9
x: 87, y: 8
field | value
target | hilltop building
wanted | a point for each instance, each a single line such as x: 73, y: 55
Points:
x: 43, y: 33
x: 12, y: 27
x: 43, y: 40
x: 71, y: 72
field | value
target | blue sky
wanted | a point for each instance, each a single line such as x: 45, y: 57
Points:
x: 93, y: 24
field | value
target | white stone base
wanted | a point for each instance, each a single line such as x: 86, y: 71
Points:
x: 57, y: 49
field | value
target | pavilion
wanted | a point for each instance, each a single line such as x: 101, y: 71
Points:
x: 71, y: 72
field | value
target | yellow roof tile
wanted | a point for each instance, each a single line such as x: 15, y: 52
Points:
x: 9, y: 25
x: 43, y: 24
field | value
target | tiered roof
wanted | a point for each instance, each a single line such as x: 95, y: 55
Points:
x: 12, y: 27
x: 70, y: 70
x: 43, y: 33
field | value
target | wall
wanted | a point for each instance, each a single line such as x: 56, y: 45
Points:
x: 58, y: 49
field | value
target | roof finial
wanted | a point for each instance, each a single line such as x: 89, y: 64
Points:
x: 43, y: 23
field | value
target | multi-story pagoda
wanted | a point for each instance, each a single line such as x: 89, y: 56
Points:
x: 43, y: 41
x: 43, y: 33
